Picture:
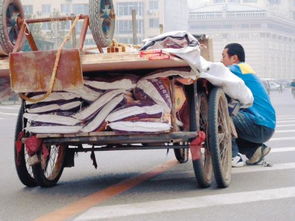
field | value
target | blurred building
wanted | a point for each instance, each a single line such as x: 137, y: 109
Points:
x: 266, y: 29
x: 153, y: 17
x: 57, y: 8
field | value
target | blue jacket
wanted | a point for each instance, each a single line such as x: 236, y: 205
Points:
x: 262, y: 110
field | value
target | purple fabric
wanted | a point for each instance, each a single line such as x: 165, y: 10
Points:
x: 156, y: 90
x: 171, y: 40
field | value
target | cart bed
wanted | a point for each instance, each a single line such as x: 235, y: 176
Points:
x: 112, y: 62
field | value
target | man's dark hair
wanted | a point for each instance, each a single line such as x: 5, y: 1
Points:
x: 236, y: 49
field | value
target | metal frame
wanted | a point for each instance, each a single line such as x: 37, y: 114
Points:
x: 25, y: 32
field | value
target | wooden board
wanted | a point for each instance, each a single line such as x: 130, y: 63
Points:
x: 125, y: 61
x: 32, y: 71
x: 112, y: 62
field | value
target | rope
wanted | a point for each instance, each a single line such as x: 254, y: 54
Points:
x: 54, y: 71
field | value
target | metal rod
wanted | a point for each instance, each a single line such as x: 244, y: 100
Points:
x: 83, y: 33
x: 39, y: 20
x: 31, y: 42
x: 74, y: 37
x: 19, y: 39
x: 173, y: 111
x: 125, y: 139
x: 134, y: 26
x: 129, y: 148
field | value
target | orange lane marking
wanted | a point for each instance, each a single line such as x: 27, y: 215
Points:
x: 98, y: 197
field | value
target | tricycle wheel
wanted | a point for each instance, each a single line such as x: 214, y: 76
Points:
x: 9, y: 11
x: 102, y: 21
x: 181, y: 155
x: 203, y: 166
x: 220, y: 137
x: 23, y: 169
x: 48, y: 171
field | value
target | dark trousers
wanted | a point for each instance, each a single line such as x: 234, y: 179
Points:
x: 250, y: 135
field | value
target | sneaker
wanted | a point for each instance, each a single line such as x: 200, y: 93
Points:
x: 258, y: 155
x: 238, y: 161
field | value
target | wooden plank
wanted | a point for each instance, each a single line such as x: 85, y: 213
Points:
x: 125, y: 61
x: 207, y: 50
x: 112, y: 62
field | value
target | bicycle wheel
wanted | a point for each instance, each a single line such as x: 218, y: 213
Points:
x: 181, y: 155
x: 23, y: 169
x: 203, y: 166
x: 9, y: 11
x: 48, y: 171
x: 102, y: 21
x: 220, y: 137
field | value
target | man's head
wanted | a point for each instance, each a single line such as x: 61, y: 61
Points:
x: 233, y: 54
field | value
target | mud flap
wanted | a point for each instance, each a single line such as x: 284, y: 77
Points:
x: 19, y: 146
x: 33, y: 145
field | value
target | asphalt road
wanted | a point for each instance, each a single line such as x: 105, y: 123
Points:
x: 122, y: 188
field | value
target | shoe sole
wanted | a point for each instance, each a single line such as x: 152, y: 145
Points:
x: 264, y: 150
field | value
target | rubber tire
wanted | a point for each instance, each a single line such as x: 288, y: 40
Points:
x: 22, y: 171
x: 96, y: 24
x: 39, y: 172
x: 181, y: 155
x: 218, y: 112
x: 6, y: 46
x: 203, y: 167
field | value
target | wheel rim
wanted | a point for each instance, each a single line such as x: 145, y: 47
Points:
x: 53, y: 163
x: 29, y: 168
x: 206, y: 155
x: 12, y: 13
x: 224, y: 139
x: 107, y: 15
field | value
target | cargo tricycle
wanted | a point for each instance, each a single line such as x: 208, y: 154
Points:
x: 204, y: 135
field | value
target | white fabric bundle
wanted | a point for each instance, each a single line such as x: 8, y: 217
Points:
x: 135, y: 110
x: 89, y: 111
x: 43, y: 107
x: 55, y: 96
x: 232, y: 85
x: 52, y: 118
x: 140, y: 126
x: 55, y: 129
x: 114, y: 82
x: 96, y: 122
x: 87, y: 93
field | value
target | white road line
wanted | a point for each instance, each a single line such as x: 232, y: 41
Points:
x: 282, y: 149
x: 285, y: 121
x: 9, y: 114
x: 286, y: 115
x: 285, y: 125
x: 281, y: 138
x: 260, y: 168
x: 10, y: 107
x: 188, y: 174
x: 291, y: 117
x: 124, y: 210
x: 284, y: 131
